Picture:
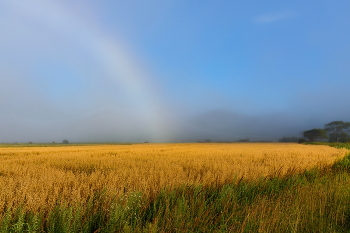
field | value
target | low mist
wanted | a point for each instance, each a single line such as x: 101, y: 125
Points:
x: 175, y: 71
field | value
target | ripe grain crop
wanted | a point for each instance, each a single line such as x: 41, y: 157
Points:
x: 37, y: 178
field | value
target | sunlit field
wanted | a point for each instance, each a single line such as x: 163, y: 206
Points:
x: 38, y: 180
x: 38, y: 176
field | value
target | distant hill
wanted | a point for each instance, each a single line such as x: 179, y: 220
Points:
x: 229, y: 126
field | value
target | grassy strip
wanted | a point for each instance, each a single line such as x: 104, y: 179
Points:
x: 338, y: 145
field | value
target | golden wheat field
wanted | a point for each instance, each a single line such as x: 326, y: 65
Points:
x: 37, y: 177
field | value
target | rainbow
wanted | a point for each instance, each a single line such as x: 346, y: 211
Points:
x: 117, y: 62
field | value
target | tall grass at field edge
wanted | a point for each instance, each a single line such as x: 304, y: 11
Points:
x: 317, y: 200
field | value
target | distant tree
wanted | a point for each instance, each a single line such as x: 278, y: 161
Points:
x: 301, y: 140
x: 315, y: 134
x: 343, y: 137
x: 289, y: 139
x: 30, y: 142
x: 65, y: 142
x: 53, y: 142
x: 338, y: 131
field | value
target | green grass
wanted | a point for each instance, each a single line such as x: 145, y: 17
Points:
x: 332, y: 144
x: 317, y: 200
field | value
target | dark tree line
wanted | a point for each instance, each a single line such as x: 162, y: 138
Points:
x: 338, y: 131
x: 335, y: 131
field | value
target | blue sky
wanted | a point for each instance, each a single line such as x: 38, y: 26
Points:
x: 146, y: 70
x: 264, y: 54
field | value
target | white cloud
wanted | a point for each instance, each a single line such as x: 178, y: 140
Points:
x: 269, y: 18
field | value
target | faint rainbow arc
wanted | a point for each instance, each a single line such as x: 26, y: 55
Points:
x: 119, y: 64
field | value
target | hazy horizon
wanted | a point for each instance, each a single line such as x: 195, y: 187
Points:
x: 171, y: 71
